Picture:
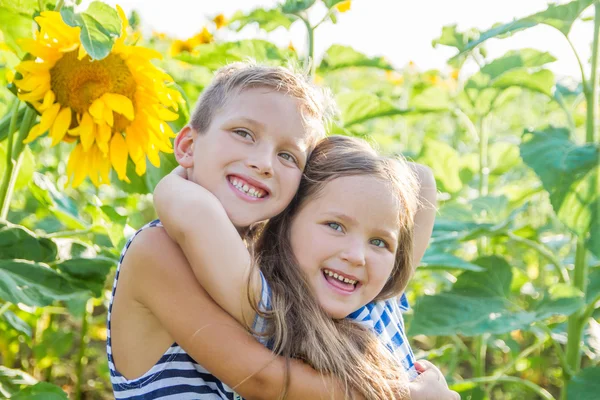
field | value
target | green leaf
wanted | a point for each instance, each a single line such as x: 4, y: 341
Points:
x: 593, y: 288
x: 100, y: 26
x: 27, y: 166
x: 87, y: 273
x: 338, y: 57
x: 64, y: 208
x: 569, y: 173
x: 436, y: 259
x: 41, y: 391
x: 358, y: 107
x: 330, y: 3
x: 296, y: 6
x: 453, y: 38
x: 268, y: 20
x: 516, y: 59
x: 478, y: 303
x: 541, y: 81
x: 17, y: 323
x: 18, y: 242
x: 585, y: 385
x: 12, y: 380
x: 16, y: 22
x: 444, y: 161
x: 560, y: 17
x: 216, y: 55
x: 32, y: 284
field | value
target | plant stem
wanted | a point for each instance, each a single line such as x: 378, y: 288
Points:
x: 13, y: 152
x: 592, y: 107
x: 481, y: 348
x: 563, y: 274
x: 310, y: 57
x: 83, y: 340
x: 543, y: 393
x: 483, y: 158
x: 575, y: 324
x: 583, y: 78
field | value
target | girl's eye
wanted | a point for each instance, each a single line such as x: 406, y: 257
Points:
x: 243, y: 133
x: 335, y: 226
x: 288, y: 157
x: 379, y: 243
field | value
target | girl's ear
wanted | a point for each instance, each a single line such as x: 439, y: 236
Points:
x: 183, y: 147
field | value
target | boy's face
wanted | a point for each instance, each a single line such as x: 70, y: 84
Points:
x: 252, y: 155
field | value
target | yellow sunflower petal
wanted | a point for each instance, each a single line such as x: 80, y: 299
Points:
x: 81, y: 53
x: 86, y: 131
x: 96, y: 110
x: 60, y: 126
x: 49, y: 116
x: 119, y: 104
x: 167, y: 115
x: 49, y: 99
x: 343, y: 6
x: 118, y: 156
x: 104, y: 168
x: 34, y: 133
x: 140, y: 166
x: 37, y: 49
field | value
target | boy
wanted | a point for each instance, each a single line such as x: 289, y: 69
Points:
x: 247, y: 143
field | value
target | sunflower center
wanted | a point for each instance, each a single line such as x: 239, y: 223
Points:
x: 77, y: 83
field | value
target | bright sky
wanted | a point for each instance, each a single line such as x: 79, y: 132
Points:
x: 400, y: 30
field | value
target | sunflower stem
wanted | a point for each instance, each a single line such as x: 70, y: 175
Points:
x: 59, y: 5
x: 14, y: 162
x: 9, y: 160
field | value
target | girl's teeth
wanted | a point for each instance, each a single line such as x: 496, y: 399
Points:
x: 339, y: 277
x: 246, y: 189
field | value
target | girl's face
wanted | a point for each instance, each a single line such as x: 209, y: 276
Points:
x: 345, y: 241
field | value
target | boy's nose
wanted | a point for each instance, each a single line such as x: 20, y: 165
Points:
x: 261, y: 164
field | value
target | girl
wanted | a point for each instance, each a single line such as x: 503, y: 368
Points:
x: 344, y: 241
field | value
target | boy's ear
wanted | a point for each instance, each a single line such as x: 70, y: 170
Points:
x: 183, y: 147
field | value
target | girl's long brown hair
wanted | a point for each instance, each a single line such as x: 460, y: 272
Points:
x: 298, y: 326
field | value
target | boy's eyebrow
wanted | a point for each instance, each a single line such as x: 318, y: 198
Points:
x: 250, y: 121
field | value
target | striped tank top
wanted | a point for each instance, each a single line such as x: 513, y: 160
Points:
x: 176, y: 376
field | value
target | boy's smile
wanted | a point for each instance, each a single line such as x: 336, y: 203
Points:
x: 252, y: 155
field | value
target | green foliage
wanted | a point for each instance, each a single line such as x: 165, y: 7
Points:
x: 569, y: 173
x: 585, y: 385
x: 269, y: 20
x: 100, y: 26
x: 338, y: 56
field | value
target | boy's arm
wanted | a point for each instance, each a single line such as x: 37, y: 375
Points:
x: 196, y: 220
x: 425, y: 216
x: 166, y: 286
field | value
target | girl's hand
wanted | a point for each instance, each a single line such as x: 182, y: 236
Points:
x: 430, y: 384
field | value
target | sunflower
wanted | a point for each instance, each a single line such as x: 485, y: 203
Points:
x: 114, y: 109
x: 188, y: 45
x: 220, y: 21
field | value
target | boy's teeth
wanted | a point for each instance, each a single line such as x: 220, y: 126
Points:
x: 247, y: 189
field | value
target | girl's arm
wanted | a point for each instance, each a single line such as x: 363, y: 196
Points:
x: 165, y: 285
x: 196, y: 220
x: 425, y: 216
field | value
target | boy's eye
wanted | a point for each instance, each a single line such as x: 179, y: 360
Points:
x: 243, y: 133
x: 288, y: 157
x: 335, y: 226
x: 379, y: 243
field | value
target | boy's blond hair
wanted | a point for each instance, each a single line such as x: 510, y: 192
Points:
x: 316, y: 104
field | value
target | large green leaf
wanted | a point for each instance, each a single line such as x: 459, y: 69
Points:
x: 18, y: 242
x: 432, y: 99
x: 444, y: 161
x: 569, y: 173
x: 453, y: 38
x: 87, y: 273
x: 27, y: 166
x: 216, y: 55
x: 516, y: 59
x: 63, y: 207
x: 593, y: 289
x: 338, y: 56
x: 540, y: 81
x: 41, y: 391
x: 17, y: 323
x: 478, y: 303
x: 33, y: 284
x: 436, y: 259
x: 585, y: 385
x: 560, y: 17
x: 100, y: 26
x: 268, y: 20
x: 296, y: 6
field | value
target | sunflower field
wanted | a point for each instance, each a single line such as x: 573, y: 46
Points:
x: 507, y: 298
